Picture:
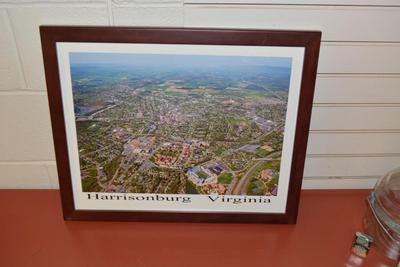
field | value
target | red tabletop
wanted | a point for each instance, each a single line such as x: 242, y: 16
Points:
x: 33, y: 233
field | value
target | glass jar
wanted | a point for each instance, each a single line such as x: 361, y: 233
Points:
x: 382, y: 220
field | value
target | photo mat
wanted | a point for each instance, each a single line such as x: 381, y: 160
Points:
x: 182, y: 128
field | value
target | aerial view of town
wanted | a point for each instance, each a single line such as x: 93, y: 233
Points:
x: 180, y: 124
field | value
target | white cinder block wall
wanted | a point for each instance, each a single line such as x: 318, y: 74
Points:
x: 355, y: 131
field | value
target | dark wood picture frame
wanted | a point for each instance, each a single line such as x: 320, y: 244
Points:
x: 310, y: 40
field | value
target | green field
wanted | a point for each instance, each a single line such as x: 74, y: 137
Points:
x: 220, y: 151
x: 256, y: 188
x: 233, y: 120
x: 191, y: 188
x: 225, y: 178
x: 90, y: 184
x: 261, y: 153
x: 202, y: 174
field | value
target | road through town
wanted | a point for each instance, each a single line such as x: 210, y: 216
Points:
x: 241, y: 186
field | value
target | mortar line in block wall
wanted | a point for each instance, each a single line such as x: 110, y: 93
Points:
x: 50, y: 185
x: 355, y: 131
x: 345, y: 183
x: 25, y: 92
x: 355, y: 105
x: 359, y: 42
x: 362, y: 74
x: 145, y: 3
x: 14, y: 39
x: 11, y: 4
x: 340, y: 177
x: 357, y: 75
x: 110, y: 13
x: 248, y: 3
x: 28, y: 162
x: 52, y: 181
x: 366, y: 155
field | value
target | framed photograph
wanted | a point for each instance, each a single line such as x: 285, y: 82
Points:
x: 183, y: 125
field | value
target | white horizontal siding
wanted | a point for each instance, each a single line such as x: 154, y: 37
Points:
x: 337, y: 23
x: 348, y: 118
x: 349, y: 166
x: 10, y: 71
x: 363, y: 58
x: 301, y: 2
x: 23, y: 175
x: 25, y: 128
x: 167, y: 13
x: 350, y: 143
x: 339, y: 183
x: 357, y: 89
x: 355, y: 128
x: 26, y: 21
x: 355, y: 131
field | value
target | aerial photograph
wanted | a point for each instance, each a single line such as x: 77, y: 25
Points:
x: 180, y: 124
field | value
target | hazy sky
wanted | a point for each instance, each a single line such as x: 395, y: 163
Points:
x: 174, y: 60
